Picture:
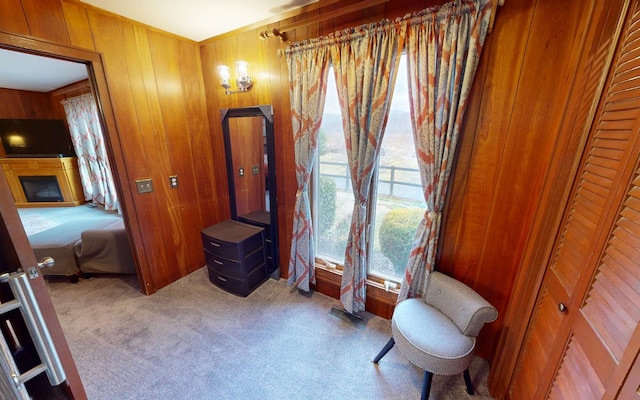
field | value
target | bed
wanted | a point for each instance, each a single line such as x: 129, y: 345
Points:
x: 91, y: 245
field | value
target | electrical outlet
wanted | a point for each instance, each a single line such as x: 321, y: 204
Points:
x: 173, y: 181
x: 255, y: 170
x: 144, y: 185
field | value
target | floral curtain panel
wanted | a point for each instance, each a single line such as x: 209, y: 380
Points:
x: 443, y: 50
x: 308, y: 69
x: 93, y: 164
x: 365, y: 60
x: 443, y: 45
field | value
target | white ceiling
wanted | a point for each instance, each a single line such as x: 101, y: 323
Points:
x: 38, y: 74
x: 197, y: 20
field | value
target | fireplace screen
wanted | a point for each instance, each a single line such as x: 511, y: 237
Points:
x: 41, y: 188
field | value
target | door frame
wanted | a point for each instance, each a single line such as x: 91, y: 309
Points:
x: 99, y: 87
x: 15, y: 250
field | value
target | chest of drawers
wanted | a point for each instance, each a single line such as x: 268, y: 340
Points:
x: 263, y: 219
x: 235, y: 256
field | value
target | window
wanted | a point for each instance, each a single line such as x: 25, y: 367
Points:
x: 398, y: 203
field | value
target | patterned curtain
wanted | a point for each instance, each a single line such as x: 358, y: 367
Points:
x: 366, y: 61
x: 308, y: 69
x: 93, y: 164
x: 443, y: 49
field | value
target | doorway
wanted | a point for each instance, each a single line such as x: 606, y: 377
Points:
x: 34, y: 72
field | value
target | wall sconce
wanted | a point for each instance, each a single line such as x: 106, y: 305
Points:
x: 243, y: 80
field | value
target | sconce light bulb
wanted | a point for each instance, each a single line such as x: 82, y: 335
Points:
x: 243, y: 80
x: 225, y: 75
x: 242, y: 68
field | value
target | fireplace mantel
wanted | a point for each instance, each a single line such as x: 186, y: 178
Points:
x: 65, y: 171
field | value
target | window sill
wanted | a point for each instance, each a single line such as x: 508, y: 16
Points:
x: 379, y: 301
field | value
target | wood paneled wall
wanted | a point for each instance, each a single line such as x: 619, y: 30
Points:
x: 26, y: 104
x: 524, y: 86
x: 67, y: 92
x: 521, y: 93
x: 156, y: 92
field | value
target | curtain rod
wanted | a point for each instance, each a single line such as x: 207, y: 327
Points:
x: 359, y: 7
x: 281, y: 32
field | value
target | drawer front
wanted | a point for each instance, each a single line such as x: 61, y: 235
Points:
x: 232, y: 285
x: 223, y: 266
x: 269, y: 246
x: 221, y: 248
x: 267, y: 234
x: 254, y: 259
x: 256, y: 277
x: 253, y: 243
x: 271, y: 266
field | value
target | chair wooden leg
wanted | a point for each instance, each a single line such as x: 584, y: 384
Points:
x: 426, y: 384
x: 384, y: 350
x: 467, y: 381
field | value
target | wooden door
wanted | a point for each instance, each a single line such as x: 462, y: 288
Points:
x: 584, y: 336
x: 16, y: 253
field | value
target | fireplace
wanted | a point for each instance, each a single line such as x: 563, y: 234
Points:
x: 41, y: 188
x: 43, y: 182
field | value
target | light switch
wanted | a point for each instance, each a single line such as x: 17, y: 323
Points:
x: 241, y: 171
x: 144, y: 185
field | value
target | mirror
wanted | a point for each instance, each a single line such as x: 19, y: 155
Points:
x: 250, y: 159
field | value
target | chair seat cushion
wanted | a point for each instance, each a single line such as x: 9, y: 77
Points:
x: 430, y: 340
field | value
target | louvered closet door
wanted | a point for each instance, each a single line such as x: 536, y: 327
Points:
x: 604, y: 334
x: 584, y: 334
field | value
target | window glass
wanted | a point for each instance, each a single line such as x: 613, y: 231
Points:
x: 333, y: 196
x: 398, y: 202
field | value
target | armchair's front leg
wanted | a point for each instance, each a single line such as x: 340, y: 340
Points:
x: 384, y: 350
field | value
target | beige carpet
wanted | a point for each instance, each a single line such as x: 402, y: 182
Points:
x: 191, y: 340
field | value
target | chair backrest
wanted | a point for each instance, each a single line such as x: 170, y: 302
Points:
x: 461, y: 304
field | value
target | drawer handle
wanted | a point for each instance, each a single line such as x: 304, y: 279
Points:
x: 268, y: 240
x: 222, y: 279
x: 218, y: 262
x: 214, y: 244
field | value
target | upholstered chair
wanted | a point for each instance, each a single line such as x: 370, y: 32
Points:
x: 438, y: 333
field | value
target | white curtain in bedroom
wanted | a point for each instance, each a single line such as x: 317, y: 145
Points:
x: 88, y: 142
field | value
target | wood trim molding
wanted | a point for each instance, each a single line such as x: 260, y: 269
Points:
x: 73, y: 89
x: 363, y: 5
x: 379, y: 301
x: 494, y: 9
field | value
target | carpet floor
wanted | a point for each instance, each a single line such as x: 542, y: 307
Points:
x: 192, y: 340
